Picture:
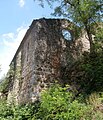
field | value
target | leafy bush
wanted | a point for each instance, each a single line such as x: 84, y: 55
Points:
x: 93, y: 66
x: 57, y: 104
x: 4, y: 85
x: 23, y: 112
x: 6, y: 112
x: 86, y: 74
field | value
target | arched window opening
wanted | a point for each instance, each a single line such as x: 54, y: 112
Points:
x: 67, y: 35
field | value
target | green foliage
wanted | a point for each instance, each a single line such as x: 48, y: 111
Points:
x: 23, y: 112
x: 95, y: 100
x: 57, y: 104
x: 93, y: 66
x: 86, y: 74
x: 6, y: 80
x: 5, y: 111
x: 81, y: 12
x: 99, y: 34
x: 3, y: 85
x: 98, y: 116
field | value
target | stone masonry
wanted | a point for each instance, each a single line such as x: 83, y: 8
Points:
x: 40, y: 57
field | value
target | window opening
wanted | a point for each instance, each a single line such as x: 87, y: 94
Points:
x: 67, y: 35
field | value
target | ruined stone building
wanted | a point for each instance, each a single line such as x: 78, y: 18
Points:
x: 46, y: 48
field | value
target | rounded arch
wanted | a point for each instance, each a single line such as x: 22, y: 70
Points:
x: 67, y: 35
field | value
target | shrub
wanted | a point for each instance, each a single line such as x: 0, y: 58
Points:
x: 57, y: 104
x: 23, y: 112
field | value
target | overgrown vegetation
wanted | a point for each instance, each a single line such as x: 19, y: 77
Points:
x: 56, y: 104
x: 11, y: 112
x: 6, y: 80
x: 82, y: 98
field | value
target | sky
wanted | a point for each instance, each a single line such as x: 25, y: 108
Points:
x: 15, y: 18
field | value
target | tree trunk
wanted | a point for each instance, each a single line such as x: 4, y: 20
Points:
x: 87, y: 28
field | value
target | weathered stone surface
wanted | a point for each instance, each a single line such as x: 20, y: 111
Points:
x: 40, y: 57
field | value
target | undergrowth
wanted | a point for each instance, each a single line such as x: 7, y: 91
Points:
x: 56, y: 104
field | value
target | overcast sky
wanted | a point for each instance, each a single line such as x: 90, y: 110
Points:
x: 15, y: 18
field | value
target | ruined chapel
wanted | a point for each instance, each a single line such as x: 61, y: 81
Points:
x: 47, y: 47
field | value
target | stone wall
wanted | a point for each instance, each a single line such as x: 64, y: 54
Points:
x: 40, y: 57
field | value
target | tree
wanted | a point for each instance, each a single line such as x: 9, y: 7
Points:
x: 84, y: 13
